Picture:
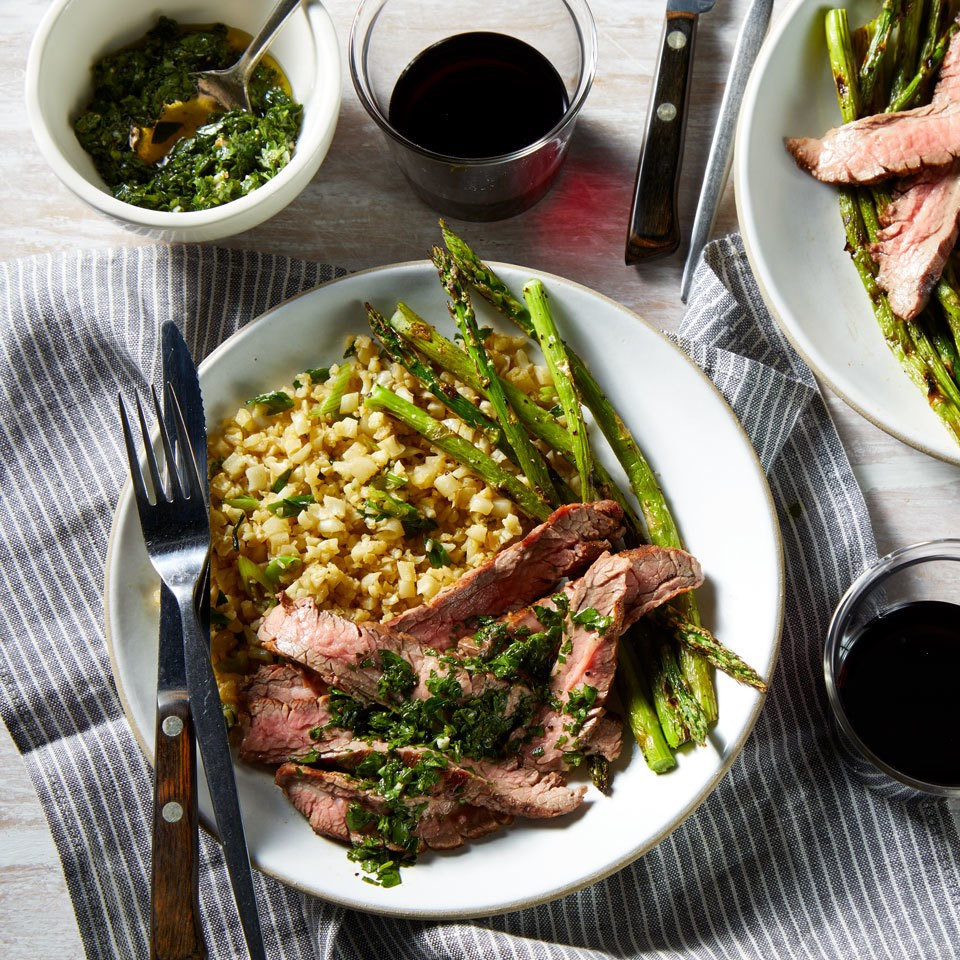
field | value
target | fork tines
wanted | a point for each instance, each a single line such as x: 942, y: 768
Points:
x: 183, y: 473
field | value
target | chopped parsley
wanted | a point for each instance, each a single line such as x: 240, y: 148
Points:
x: 389, y: 836
x: 578, y: 706
x: 397, y: 679
x: 227, y: 157
x: 592, y: 620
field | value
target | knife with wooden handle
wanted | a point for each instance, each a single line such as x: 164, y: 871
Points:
x: 201, y: 682
x: 654, y: 223
x: 175, y: 930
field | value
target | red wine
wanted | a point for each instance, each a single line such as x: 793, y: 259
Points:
x: 898, y: 686
x: 477, y: 95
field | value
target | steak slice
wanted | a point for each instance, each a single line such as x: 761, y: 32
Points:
x: 324, y: 796
x: 285, y: 682
x: 275, y: 731
x: 503, y: 786
x: 351, y: 656
x: 570, y: 539
x: 618, y: 589
x: 920, y: 224
x: 920, y: 227
x: 883, y: 146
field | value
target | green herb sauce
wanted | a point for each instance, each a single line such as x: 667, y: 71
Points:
x: 226, y: 158
x: 448, y: 725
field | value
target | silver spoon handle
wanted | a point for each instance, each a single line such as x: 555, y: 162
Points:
x: 258, y: 45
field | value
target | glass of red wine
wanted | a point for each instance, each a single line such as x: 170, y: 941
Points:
x: 477, y: 98
x: 892, y: 662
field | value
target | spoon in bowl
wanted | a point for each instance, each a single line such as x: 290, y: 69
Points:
x: 231, y: 87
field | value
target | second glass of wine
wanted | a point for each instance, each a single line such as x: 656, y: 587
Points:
x: 477, y: 99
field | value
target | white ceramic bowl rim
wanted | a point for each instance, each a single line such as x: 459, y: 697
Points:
x: 109, y: 204
x: 586, y: 31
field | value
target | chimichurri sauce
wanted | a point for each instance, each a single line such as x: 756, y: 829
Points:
x: 224, y: 158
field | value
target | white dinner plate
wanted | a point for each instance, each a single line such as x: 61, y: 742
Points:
x: 794, y: 236
x: 722, y: 505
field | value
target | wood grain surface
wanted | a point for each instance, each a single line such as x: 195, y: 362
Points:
x: 358, y: 212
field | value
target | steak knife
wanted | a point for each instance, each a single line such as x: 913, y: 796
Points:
x: 175, y: 930
x: 749, y: 41
x: 654, y: 224
x: 204, y: 695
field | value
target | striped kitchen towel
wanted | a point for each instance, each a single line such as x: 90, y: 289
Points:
x: 789, y: 857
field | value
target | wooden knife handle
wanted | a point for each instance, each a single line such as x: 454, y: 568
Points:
x: 654, y: 223
x: 175, y: 932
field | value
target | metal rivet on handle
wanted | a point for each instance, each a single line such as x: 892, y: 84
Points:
x: 172, y: 812
x: 676, y: 39
x: 172, y: 726
x: 666, y: 112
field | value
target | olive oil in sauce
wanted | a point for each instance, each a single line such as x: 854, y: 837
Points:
x: 477, y: 95
x: 182, y: 118
x: 898, y: 686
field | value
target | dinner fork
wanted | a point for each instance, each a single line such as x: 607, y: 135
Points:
x: 176, y: 532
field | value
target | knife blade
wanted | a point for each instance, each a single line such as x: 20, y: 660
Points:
x: 745, y: 52
x: 175, y: 929
x: 654, y: 224
x: 201, y: 682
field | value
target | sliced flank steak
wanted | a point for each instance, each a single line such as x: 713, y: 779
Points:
x: 567, y: 542
x: 883, y: 145
x: 285, y: 682
x: 920, y: 149
x: 500, y: 785
x: 363, y: 659
x: 613, y: 594
x: 919, y: 232
x: 325, y: 796
x: 274, y: 731
x: 922, y: 221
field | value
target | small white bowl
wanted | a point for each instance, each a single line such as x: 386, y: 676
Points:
x: 76, y: 33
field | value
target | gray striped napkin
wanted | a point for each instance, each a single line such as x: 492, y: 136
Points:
x: 789, y: 857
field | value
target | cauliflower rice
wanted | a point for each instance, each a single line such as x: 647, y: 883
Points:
x: 335, y: 548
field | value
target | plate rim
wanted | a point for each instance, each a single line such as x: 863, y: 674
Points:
x: 745, y: 221
x: 735, y: 748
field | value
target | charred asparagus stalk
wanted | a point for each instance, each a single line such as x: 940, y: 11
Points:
x: 878, y: 47
x: 447, y: 394
x: 531, y: 461
x: 702, y: 639
x: 641, y: 713
x: 909, y: 342
x: 661, y: 528
x: 458, y: 404
x: 448, y: 356
x: 555, y: 352
x: 462, y: 450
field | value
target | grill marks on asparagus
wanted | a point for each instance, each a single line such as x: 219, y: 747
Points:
x: 901, y: 238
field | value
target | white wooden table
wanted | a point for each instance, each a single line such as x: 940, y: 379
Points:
x: 359, y: 213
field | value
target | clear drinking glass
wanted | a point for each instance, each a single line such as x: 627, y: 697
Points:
x: 923, y: 571
x: 388, y: 34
